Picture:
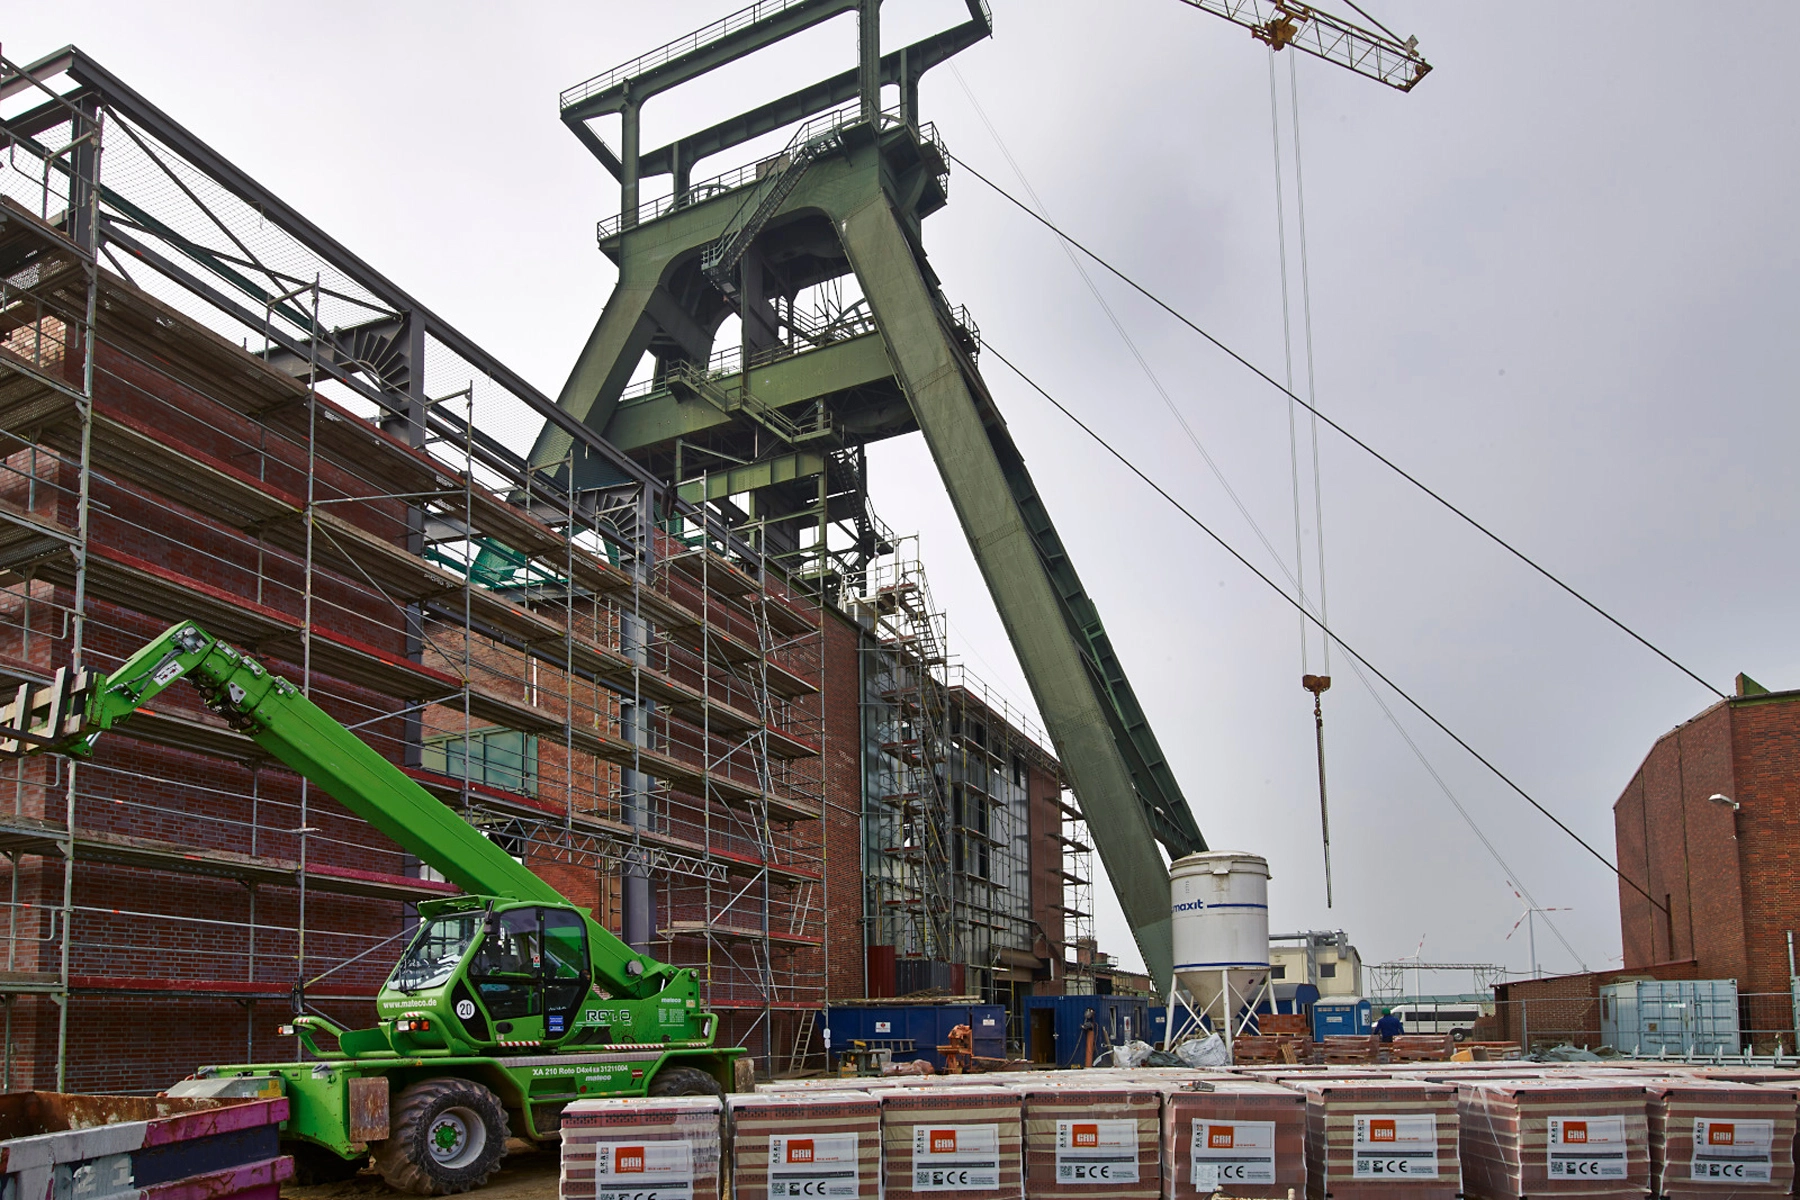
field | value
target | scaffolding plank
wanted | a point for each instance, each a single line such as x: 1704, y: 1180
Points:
x: 126, y: 449
x: 364, y: 557
x: 132, y: 582
x: 29, y: 835
x: 450, y: 789
x: 28, y: 538
x: 734, y: 933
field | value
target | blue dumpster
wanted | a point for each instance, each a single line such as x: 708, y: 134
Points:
x: 915, y: 1031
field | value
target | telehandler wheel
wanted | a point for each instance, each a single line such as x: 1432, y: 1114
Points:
x: 315, y: 1164
x: 684, y: 1081
x: 447, y: 1136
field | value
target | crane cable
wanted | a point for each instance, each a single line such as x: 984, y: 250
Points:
x: 1118, y: 325
x: 989, y: 348
x: 1255, y: 527
x: 1356, y: 441
x: 1316, y: 684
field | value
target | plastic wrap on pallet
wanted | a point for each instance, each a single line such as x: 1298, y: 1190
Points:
x: 1711, y: 1138
x: 616, y: 1149
x: 1368, y: 1139
x: 1244, y: 1138
x: 1554, y: 1137
x: 815, y: 1143
x: 1094, y: 1140
x: 960, y: 1141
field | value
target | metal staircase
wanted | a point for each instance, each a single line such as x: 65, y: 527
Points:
x: 818, y: 137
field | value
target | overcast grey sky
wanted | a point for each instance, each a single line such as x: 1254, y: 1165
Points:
x: 1557, y: 282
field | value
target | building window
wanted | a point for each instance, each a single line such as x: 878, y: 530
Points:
x: 501, y: 758
x: 1328, y: 970
x: 1278, y: 971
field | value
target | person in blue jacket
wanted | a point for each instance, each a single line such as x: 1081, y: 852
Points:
x: 1389, y: 1027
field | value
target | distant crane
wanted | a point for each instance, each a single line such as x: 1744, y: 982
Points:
x: 1382, y: 56
x: 1528, y: 919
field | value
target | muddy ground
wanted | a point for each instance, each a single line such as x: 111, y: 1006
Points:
x: 525, y: 1174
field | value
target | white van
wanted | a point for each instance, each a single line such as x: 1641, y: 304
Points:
x: 1457, y: 1020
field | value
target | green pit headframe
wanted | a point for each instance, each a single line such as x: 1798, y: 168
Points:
x: 853, y: 204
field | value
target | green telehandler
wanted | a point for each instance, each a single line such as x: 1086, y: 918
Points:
x: 508, y: 1003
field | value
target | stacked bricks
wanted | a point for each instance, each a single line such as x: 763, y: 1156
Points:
x: 1554, y: 1137
x: 810, y: 1143
x: 1370, y: 1139
x: 1251, y: 1140
x: 642, y: 1144
x: 1716, y: 1139
x: 964, y: 1140
x: 1093, y: 1141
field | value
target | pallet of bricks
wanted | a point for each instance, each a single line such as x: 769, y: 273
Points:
x: 1091, y: 1139
x: 1347, y: 1049
x: 1243, y: 1138
x: 645, y: 1144
x: 1420, y: 1047
x: 1370, y: 1139
x: 814, y: 1143
x: 1710, y: 1138
x: 1554, y: 1137
x: 1280, y: 1038
x: 963, y: 1139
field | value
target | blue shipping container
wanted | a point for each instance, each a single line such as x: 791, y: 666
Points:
x: 1053, y: 1026
x: 1340, y: 1017
x: 915, y: 1031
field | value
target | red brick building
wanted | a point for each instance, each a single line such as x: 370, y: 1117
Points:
x: 211, y: 411
x: 1709, y: 827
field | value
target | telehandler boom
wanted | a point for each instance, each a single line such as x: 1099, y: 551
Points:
x: 508, y: 1003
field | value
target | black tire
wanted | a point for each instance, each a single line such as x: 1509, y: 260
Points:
x: 445, y: 1136
x: 1459, y: 1034
x: 314, y: 1164
x: 684, y: 1081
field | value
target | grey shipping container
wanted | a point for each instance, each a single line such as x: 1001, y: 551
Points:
x: 1670, y: 1016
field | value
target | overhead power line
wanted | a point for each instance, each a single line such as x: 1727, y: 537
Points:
x: 1383, y: 459
x: 989, y: 348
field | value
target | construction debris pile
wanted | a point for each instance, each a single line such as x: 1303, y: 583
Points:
x: 1498, y: 1130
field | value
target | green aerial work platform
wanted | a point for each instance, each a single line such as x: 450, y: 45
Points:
x: 777, y: 423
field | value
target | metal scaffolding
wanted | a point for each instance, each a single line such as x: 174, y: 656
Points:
x: 947, y: 825
x: 214, y: 412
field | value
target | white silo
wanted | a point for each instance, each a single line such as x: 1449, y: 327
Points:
x: 1220, y: 929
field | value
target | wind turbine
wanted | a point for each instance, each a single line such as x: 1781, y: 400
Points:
x: 1527, y: 919
x: 1416, y: 957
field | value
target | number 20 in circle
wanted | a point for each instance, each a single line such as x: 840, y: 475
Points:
x: 465, y: 1009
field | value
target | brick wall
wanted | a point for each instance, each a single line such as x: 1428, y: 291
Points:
x: 1563, y: 1009
x: 843, y: 886
x: 1730, y: 881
